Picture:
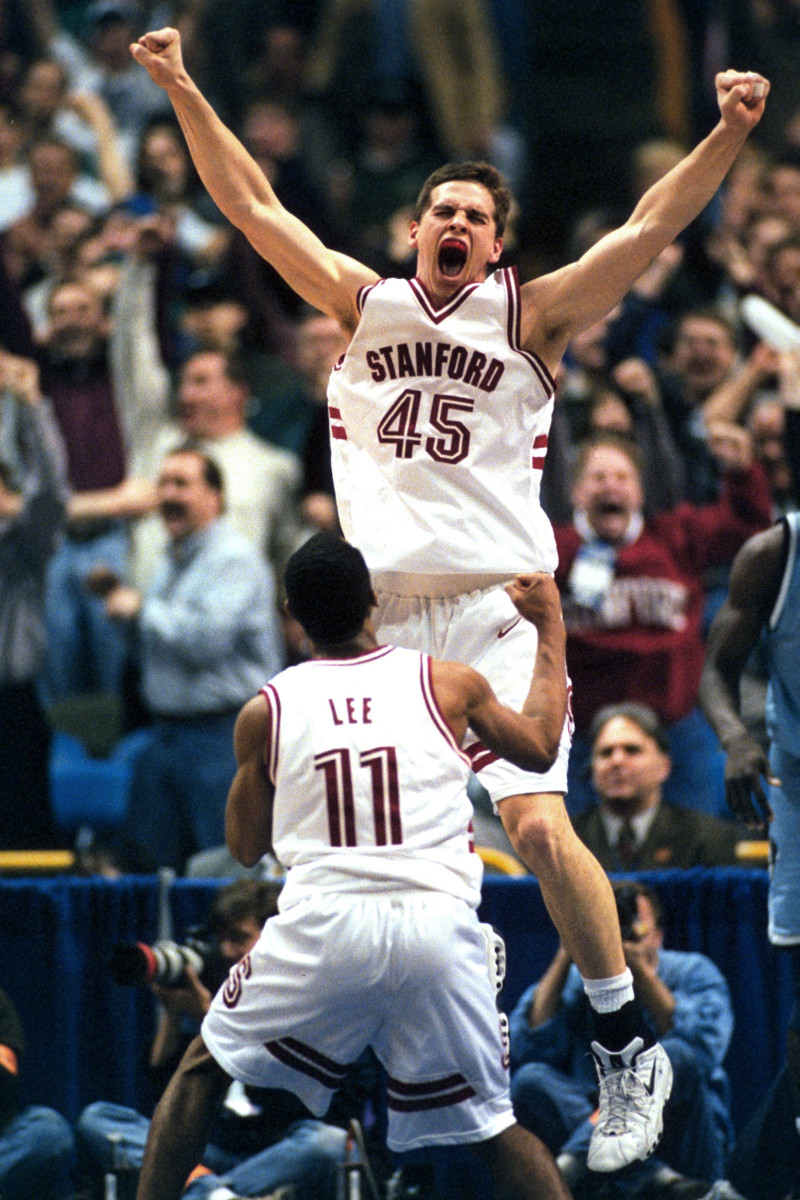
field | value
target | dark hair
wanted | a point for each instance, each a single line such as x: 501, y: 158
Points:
x: 640, y: 714
x: 470, y: 172
x: 245, y: 898
x: 212, y: 474
x: 235, y: 365
x: 143, y: 170
x: 625, y: 893
x: 328, y: 588
x: 701, y: 313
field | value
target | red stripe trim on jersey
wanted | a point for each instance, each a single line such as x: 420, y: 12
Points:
x: 348, y: 804
x: 465, y: 1093
x: 437, y: 315
x: 539, y: 443
x: 437, y: 1093
x: 511, y: 281
x: 337, y: 426
x: 439, y: 720
x: 273, y: 729
x: 363, y: 292
x: 307, y: 1061
x: 480, y: 756
x: 356, y: 660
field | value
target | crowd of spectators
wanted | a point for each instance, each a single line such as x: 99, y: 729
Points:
x: 154, y: 325
x: 163, y: 423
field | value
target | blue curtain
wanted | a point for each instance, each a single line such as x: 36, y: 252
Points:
x: 88, y: 1037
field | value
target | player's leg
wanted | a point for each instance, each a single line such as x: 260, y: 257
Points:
x: 445, y: 1052
x: 522, y: 1167
x: 575, y: 888
x: 180, y: 1124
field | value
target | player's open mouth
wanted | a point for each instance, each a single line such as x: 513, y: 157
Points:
x: 610, y: 508
x: 452, y: 257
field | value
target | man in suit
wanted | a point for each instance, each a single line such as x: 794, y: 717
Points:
x: 632, y: 828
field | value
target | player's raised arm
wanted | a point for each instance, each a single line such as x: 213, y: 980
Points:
x: 557, y: 306
x: 326, y: 279
x: 529, y: 738
x: 248, y: 814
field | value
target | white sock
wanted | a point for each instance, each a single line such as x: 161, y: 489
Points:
x: 609, y: 995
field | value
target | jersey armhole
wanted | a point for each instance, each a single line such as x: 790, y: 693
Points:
x: 787, y: 559
x: 511, y: 280
x: 273, y: 703
x: 437, y: 716
x: 362, y: 293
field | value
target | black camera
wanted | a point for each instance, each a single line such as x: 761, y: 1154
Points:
x: 134, y: 964
x: 627, y: 911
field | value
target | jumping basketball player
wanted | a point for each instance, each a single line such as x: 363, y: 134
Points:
x: 351, y: 770
x: 440, y: 412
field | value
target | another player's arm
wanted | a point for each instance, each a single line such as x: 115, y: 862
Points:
x: 754, y: 582
x: 529, y: 738
x: 557, y: 306
x: 248, y: 814
x: 324, y: 278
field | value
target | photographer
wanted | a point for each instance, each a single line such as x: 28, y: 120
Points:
x: 686, y: 1001
x: 261, y: 1139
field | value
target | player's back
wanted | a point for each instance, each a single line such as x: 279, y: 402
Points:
x: 370, y: 786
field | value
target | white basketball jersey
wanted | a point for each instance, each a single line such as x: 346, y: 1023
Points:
x: 439, y: 425
x: 370, y: 786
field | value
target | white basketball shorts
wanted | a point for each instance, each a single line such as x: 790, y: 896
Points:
x: 484, y: 630
x: 405, y: 973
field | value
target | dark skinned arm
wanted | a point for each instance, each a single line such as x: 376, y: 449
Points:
x: 754, y: 583
x: 529, y: 738
x: 248, y: 814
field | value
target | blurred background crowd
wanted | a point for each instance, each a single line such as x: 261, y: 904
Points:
x: 156, y: 375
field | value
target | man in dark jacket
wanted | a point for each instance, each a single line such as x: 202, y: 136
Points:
x: 631, y: 828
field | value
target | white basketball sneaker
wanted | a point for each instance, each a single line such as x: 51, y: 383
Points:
x: 634, y: 1087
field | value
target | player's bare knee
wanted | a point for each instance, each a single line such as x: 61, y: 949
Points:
x: 541, y: 835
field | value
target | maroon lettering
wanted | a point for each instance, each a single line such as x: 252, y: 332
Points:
x: 386, y: 351
x: 492, y: 376
x: 424, y: 356
x: 375, y: 365
x: 455, y: 368
x: 351, y: 710
x: 474, y: 369
x: 367, y: 710
x: 442, y: 355
x: 405, y: 366
x: 337, y: 720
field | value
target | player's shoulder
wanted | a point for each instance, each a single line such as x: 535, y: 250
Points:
x: 762, y: 557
